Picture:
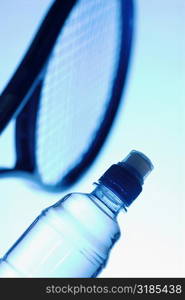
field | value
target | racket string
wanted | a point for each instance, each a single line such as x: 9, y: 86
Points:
x: 77, y: 86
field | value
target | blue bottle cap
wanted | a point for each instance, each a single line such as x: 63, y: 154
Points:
x: 126, y: 178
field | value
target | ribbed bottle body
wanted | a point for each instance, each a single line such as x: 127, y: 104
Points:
x: 72, y: 238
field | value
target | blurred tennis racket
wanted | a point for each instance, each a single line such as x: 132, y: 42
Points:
x: 67, y: 89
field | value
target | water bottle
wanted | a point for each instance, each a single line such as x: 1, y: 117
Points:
x: 73, y: 237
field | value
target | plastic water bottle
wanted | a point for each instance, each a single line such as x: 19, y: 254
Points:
x: 73, y: 237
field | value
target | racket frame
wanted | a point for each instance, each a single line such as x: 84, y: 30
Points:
x: 20, y: 98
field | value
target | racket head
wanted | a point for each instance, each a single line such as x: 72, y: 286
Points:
x: 30, y: 127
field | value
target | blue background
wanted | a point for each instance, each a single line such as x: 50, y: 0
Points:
x: 151, y: 120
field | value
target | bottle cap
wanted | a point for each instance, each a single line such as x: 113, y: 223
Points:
x: 138, y: 163
x: 126, y: 178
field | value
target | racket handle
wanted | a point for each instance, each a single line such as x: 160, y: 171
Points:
x: 73, y: 237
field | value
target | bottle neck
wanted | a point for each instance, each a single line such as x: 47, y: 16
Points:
x: 107, y: 200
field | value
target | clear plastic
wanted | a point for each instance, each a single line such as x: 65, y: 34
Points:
x: 69, y: 239
x: 73, y: 237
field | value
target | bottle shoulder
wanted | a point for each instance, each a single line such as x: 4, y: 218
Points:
x: 82, y: 205
x: 82, y: 208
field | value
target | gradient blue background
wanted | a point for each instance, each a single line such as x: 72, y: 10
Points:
x: 151, y: 120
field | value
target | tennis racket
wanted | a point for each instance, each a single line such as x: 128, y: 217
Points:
x: 67, y: 89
